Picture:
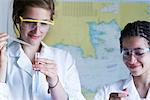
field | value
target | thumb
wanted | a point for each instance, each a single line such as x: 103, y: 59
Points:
x: 125, y: 91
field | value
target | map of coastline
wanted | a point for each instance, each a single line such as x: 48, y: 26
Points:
x: 90, y: 31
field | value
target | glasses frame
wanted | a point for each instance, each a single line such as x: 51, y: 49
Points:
x: 131, y: 51
x: 36, y: 21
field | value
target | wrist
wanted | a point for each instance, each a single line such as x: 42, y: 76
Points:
x: 50, y: 86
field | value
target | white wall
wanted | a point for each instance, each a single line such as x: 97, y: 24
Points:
x: 5, y: 16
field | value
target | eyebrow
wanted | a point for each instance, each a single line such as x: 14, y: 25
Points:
x: 137, y: 48
x: 132, y: 48
x: 36, y: 19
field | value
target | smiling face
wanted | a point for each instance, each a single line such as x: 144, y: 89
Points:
x: 34, y: 35
x: 137, y: 64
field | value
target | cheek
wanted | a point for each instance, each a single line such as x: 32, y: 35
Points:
x: 43, y: 36
x: 146, y: 60
x: 125, y: 62
x: 23, y: 33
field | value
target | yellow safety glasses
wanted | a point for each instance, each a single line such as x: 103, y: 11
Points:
x: 36, y: 21
x: 31, y: 24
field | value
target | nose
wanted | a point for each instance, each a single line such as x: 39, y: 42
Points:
x: 132, y: 59
x: 37, y: 28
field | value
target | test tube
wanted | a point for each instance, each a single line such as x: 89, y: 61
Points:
x: 37, y: 55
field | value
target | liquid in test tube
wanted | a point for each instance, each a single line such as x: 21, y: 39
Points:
x: 37, y: 55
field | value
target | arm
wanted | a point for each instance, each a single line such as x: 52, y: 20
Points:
x: 3, y: 64
x: 4, y: 91
x: 72, y: 81
x: 3, y: 57
x: 49, y: 68
x: 57, y: 91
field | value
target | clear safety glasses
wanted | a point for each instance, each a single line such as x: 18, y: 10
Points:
x: 136, y: 52
x: 32, y: 24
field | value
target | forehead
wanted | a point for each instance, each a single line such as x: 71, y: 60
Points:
x: 37, y: 13
x: 135, y: 42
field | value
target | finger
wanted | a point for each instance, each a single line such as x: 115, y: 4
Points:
x: 115, y: 98
x: 3, y: 37
x: 46, y: 68
x: 3, y: 50
x: 3, y: 34
x: 44, y: 60
x: 49, y: 72
x: 43, y: 65
x: 4, y: 43
x: 122, y: 95
x: 125, y: 90
x: 42, y: 68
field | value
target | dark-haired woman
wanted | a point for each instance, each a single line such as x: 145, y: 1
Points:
x: 135, y: 49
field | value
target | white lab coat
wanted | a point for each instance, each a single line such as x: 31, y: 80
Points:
x: 23, y: 84
x: 103, y: 93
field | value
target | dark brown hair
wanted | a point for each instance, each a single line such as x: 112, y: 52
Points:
x: 137, y: 28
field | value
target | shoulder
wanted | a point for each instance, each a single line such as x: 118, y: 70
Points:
x: 56, y: 53
x: 120, y: 84
x: 52, y: 49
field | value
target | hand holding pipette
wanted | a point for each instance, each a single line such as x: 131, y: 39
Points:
x: 3, y: 56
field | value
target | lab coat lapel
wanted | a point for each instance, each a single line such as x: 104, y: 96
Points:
x: 22, y: 60
x: 46, y: 52
x: 148, y: 94
x: 129, y: 84
x: 25, y: 64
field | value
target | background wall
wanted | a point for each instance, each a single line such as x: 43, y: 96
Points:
x: 90, y: 30
x: 3, y: 14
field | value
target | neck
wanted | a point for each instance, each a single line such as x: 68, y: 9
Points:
x: 142, y: 80
x: 31, y: 50
x: 142, y: 83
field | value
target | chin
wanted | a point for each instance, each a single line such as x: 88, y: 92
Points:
x: 136, y: 74
x: 35, y: 43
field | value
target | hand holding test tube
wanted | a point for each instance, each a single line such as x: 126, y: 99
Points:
x: 48, y: 67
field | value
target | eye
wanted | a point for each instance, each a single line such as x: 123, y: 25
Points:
x: 29, y: 23
x: 126, y: 53
x: 139, y: 53
x: 44, y: 24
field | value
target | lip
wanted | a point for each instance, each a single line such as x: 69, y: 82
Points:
x: 133, y: 67
x: 34, y: 36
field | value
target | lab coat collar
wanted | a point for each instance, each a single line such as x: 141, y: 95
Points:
x: 47, y: 52
x: 129, y: 84
x: 16, y: 51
